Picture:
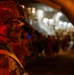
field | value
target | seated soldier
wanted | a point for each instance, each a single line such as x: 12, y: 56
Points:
x: 11, y: 17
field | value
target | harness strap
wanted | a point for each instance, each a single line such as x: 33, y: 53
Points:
x: 11, y: 55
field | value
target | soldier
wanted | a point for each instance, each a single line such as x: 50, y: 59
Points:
x: 11, y: 20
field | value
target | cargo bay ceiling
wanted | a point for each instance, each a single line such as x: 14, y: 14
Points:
x: 66, y: 6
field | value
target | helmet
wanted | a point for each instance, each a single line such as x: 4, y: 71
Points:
x: 9, y: 10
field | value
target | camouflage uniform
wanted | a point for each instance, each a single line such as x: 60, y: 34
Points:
x: 9, y: 10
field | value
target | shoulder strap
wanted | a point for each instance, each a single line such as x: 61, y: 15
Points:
x: 11, y: 55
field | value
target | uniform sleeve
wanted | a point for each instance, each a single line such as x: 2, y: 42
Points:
x: 8, y: 66
x: 4, y: 67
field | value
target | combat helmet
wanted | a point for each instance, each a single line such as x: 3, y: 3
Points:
x: 9, y: 9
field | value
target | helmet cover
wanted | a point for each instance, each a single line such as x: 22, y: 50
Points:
x: 9, y: 10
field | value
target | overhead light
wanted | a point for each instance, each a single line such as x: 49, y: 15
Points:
x: 40, y: 14
x: 51, y: 21
x: 45, y: 20
x: 33, y: 10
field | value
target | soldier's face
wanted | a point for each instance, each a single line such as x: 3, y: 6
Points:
x: 15, y: 30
